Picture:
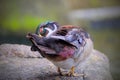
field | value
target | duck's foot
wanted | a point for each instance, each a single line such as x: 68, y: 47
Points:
x: 75, y: 74
x: 71, y: 73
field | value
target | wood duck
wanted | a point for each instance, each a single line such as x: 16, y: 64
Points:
x: 66, y: 46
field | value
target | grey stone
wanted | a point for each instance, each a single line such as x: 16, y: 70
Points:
x: 17, y: 50
x: 95, y: 66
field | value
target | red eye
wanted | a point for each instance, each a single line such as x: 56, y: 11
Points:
x: 41, y: 30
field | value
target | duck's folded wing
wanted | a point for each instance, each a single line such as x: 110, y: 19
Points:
x: 48, y: 45
x: 46, y: 50
x: 41, y: 48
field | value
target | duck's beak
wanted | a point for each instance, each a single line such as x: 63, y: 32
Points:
x: 40, y: 35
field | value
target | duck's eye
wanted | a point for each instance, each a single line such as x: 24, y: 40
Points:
x: 42, y: 31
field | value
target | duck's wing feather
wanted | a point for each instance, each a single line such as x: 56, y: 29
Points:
x: 48, y: 45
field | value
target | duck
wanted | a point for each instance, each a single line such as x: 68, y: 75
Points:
x: 65, y: 46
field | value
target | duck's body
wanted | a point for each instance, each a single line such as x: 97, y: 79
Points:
x: 65, y: 47
x: 80, y: 39
x: 77, y: 58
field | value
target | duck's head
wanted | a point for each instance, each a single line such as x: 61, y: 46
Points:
x: 47, y: 29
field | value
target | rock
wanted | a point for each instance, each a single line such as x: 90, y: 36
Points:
x: 15, y: 50
x: 95, y: 67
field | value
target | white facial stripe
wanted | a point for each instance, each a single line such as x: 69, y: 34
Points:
x: 50, y: 31
x: 55, y: 27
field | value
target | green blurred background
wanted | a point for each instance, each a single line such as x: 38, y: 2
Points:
x: 18, y: 17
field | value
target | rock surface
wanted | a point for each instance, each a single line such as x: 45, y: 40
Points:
x: 17, y: 62
x: 15, y: 50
